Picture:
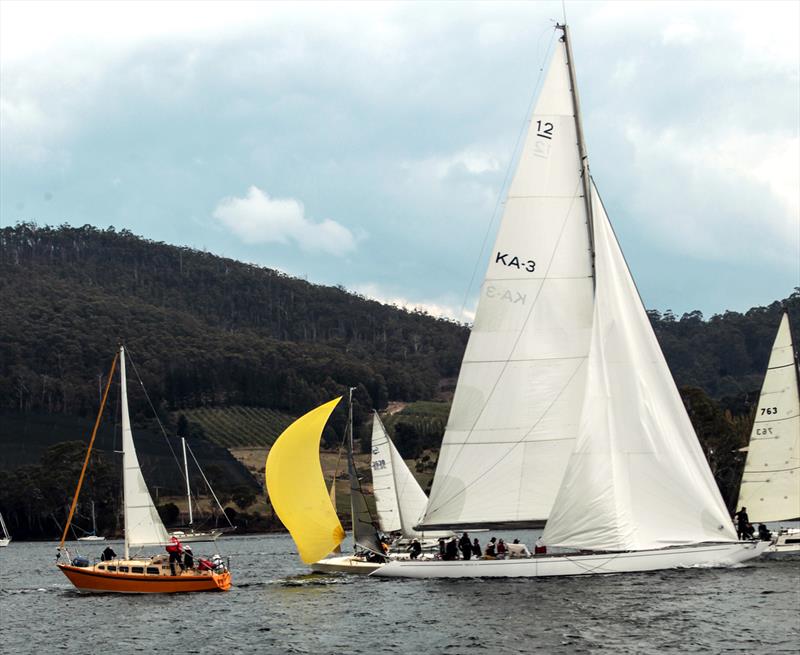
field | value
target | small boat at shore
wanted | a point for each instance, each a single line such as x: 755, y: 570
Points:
x: 770, y: 487
x: 92, y: 536
x: 135, y: 572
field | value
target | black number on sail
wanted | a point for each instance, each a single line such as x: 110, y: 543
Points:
x: 769, y: 410
x: 544, y: 130
x: 508, y: 259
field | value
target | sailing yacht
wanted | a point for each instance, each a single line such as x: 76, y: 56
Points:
x: 193, y: 535
x: 134, y: 572
x: 93, y: 536
x: 5, y: 538
x: 565, y: 413
x: 399, y: 500
x: 770, y: 488
x: 298, y: 494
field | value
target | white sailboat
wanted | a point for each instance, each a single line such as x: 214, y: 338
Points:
x: 565, y: 410
x: 134, y: 572
x: 770, y: 488
x: 399, y: 500
x: 93, y: 536
x: 5, y: 538
x: 192, y: 535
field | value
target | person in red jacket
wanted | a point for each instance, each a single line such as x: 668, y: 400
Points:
x: 175, y: 550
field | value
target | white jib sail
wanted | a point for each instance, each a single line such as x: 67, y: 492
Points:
x: 771, y: 482
x: 638, y: 478
x: 399, y: 499
x: 143, y: 526
x: 515, y: 411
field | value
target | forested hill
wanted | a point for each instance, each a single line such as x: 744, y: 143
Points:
x: 204, y: 330
x: 209, y: 331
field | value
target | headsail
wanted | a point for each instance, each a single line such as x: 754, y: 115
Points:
x: 399, y: 499
x: 515, y: 411
x: 364, y: 533
x: 143, y: 526
x: 771, y: 482
x: 297, y: 488
x: 638, y: 478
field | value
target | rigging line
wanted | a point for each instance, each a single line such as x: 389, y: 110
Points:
x: 505, y: 367
x: 155, y: 414
x: 514, y: 157
x: 208, y: 484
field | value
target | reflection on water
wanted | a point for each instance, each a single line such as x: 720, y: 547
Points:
x: 277, y: 606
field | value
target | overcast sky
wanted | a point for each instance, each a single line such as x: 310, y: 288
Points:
x: 366, y: 144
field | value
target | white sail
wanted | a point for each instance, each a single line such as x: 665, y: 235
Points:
x: 5, y: 538
x: 515, y: 411
x: 143, y: 526
x: 638, y: 478
x: 399, y: 499
x: 771, y: 482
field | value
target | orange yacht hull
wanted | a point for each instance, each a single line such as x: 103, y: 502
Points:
x: 90, y: 579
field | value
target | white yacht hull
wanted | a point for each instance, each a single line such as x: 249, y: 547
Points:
x: 5, y: 541
x: 677, y: 557
x: 196, y: 537
x: 92, y: 538
x: 345, y: 564
x: 785, y: 543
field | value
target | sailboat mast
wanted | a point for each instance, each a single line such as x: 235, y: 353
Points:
x: 188, y: 489
x: 123, y: 385
x: 576, y: 104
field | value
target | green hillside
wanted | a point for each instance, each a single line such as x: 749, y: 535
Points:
x: 238, y: 426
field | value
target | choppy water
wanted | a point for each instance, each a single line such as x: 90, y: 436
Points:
x: 276, y: 607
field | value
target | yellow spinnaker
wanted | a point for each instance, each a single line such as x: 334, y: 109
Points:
x: 297, y: 488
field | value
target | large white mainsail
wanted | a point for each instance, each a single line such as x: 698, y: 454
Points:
x: 143, y: 526
x: 399, y: 499
x: 516, y: 406
x: 771, y: 482
x: 638, y: 478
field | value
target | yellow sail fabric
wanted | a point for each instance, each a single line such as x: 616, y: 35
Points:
x: 297, y: 488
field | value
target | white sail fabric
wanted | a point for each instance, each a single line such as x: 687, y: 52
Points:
x: 143, y: 526
x: 771, y: 482
x: 638, y: 478
x: 399, y: 499
x: 515, y: 411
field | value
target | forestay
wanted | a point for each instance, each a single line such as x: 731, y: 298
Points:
x: 771, y: 482
x: 143, y: 526
x: 399, y: 499
x: 514, y: 416
x: 638, y: 478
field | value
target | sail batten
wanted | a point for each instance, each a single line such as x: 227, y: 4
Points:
x: 770, y: 487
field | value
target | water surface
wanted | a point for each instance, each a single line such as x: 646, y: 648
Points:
x: 275, y: 606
